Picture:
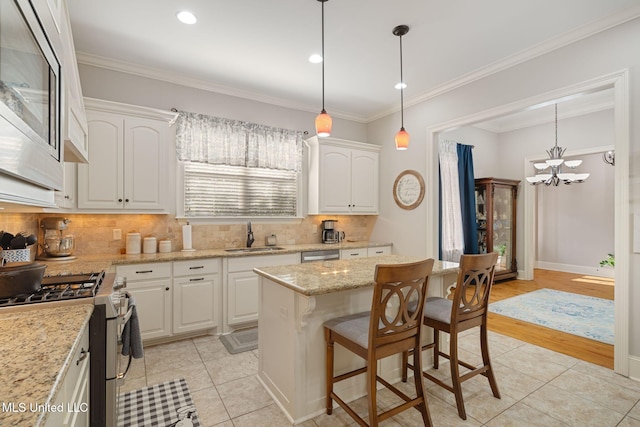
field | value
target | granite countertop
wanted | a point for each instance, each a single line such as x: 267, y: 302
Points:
x: 92, y: 263
x: 317, y: 278
x: 36, y: 348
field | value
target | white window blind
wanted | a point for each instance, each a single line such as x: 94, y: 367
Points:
x: 235, y: 191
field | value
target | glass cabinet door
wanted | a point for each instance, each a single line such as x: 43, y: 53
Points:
x: 496, y: 222
x: 481, y: 219
x: 502, y: 221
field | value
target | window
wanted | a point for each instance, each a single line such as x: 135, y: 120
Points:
x: 234, y: 191
x: 238, y: 169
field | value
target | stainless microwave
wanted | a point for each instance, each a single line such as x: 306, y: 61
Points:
x: 30, y: 98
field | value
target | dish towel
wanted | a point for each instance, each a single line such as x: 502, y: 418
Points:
x: 131, y: 337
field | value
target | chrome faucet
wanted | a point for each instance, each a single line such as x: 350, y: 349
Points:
x: 250, y: 238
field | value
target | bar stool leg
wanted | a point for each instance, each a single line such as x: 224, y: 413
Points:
x: 329, y: 370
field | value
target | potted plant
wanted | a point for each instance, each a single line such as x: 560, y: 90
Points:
x: 501, y: 249
x: 609, y: 261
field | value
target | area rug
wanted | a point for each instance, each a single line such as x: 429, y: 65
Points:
x: 581, y: 315
x: 239, y: 341
x: 167, y: 404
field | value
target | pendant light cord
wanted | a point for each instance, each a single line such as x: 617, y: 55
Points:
x: 401, y: 89
x: 323, y: 110
x: 556, y: 125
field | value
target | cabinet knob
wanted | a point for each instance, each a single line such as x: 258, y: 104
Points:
x: 119, y: 200
x: 166, y: 289
x: 126, y: 200
x: 67, y: 197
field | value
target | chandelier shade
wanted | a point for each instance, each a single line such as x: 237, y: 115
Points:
x: 402, y: 137
x: 323, y: 120
x: 553, y: 167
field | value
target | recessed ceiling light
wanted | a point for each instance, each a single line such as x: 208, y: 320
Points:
x: 315, y: 58
x: 186, y: 17
x: 400, y: 86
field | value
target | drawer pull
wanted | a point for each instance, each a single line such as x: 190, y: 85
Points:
x: 144, y: 271
x: 83, y: 355
x: 197, y: 279
x: 196, y: 267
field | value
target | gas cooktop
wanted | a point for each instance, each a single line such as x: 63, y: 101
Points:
x: 59, y: 288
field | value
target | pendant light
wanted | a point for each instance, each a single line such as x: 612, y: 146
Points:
x: 402, y: 137
x: 323, y: 120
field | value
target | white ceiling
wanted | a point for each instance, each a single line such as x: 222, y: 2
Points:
x: 259, y: 49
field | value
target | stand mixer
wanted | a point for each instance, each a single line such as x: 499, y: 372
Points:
x: 56, y: 246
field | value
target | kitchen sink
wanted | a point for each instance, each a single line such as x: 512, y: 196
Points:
x: 261, y: 249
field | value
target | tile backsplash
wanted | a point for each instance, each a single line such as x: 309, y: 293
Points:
x: 94, y: 232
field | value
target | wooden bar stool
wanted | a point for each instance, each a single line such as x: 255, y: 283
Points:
x: 389, y: 328
x: 468, y: 309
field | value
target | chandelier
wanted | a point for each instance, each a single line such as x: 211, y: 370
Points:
x: 550, y: 172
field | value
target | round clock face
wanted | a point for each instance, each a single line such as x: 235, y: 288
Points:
x: 408, y: 190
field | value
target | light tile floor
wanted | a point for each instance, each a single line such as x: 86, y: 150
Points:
x: 539, y: 388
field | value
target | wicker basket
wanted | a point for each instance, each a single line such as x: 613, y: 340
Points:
x: 16, y: 255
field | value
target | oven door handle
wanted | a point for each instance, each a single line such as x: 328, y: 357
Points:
x: 126, y: 316
x: 120, y: 377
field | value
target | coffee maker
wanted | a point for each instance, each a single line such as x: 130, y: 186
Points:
x: 329, y: 233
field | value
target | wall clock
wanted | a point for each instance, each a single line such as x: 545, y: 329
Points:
x: 408, y: 190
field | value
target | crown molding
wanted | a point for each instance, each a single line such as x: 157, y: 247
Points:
x: 181, y: 79
x: 534, y: 120
x: 543, y: 48
x: 538, y: 50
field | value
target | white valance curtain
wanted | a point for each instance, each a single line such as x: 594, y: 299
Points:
x: 452, y: 234
x: 219, y: 141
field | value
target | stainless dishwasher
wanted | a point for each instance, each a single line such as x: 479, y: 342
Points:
x: 321, y: 255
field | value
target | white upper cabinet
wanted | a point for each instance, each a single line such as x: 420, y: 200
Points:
x: 343, y: 176
x: 54, y: 17
x: 74, y: 125
x: 129, y: 155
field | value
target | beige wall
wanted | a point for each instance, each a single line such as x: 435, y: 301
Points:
x: 94, y: 233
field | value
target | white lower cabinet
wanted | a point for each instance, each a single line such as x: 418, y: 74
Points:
x: 353, y: 253
x: 241, y: 287
x: 379, y: 250
x: 150, y: 285
x: 73, y: 391
x: 196, y: 290
x: 365, y: 252
x: 174, y: 298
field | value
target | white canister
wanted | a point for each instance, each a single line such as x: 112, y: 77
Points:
x: 164, y: 246
x: 149, y: 245
x: 133, y: 243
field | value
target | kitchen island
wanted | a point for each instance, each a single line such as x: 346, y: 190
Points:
x: 295, y: 301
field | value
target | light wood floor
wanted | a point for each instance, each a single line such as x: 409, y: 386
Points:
x: 572, y: 345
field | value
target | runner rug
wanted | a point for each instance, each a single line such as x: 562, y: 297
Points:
x: 167, y: 404
x: 581, y: 315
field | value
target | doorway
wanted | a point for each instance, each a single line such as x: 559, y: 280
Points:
x: 619, y: 83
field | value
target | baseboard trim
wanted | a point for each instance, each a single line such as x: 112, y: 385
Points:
x: 634, y: 368
x: 576, y: 269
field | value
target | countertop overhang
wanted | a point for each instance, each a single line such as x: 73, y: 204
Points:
x: 317, y: 278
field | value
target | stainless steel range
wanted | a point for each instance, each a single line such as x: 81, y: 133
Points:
x: 105, y: 328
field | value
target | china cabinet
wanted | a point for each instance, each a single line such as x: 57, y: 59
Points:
x: 496, y: 222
